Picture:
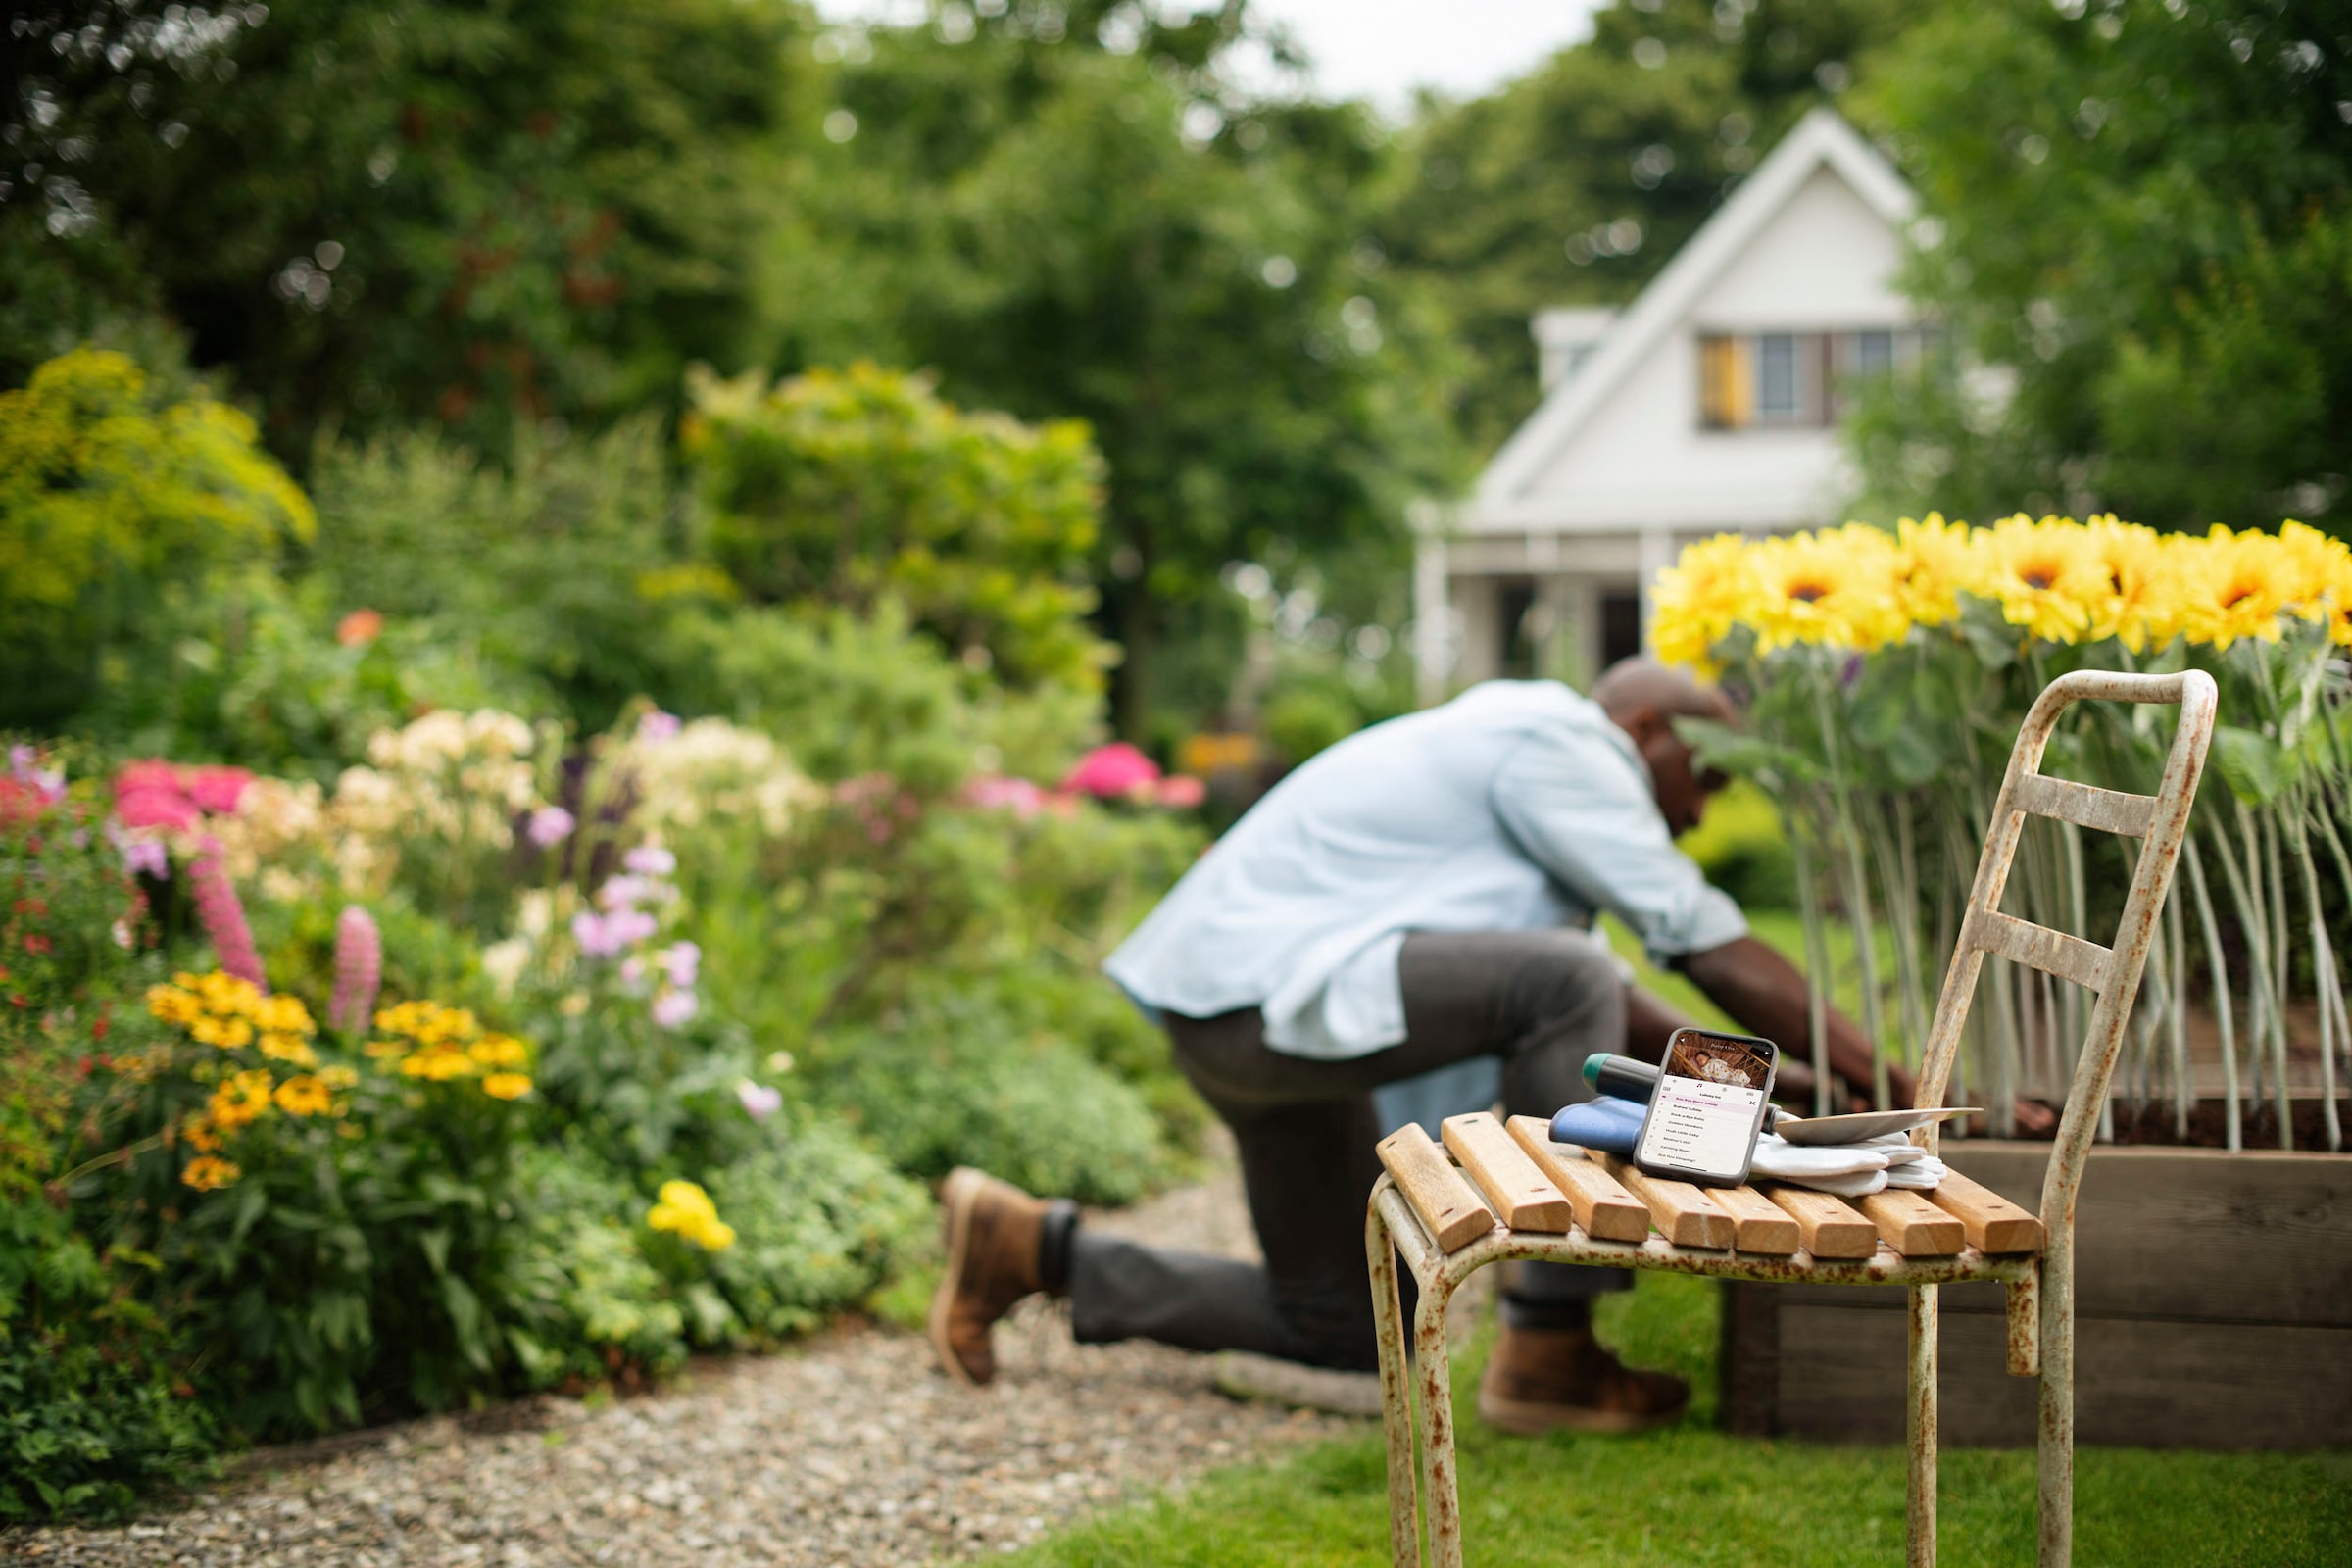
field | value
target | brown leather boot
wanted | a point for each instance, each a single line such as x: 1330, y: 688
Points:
x: 1561, y: 1380
x: 995, y: 1231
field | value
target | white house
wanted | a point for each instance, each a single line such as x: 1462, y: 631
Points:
x: 1708, y: 405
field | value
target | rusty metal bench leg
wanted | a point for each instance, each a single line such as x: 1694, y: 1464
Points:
x: 2056, y: 1503
x: 1440, y: 1490
x: 1395, y: 1401
x: 1921, y: 1429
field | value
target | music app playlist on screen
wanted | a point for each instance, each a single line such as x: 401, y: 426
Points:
x: 1707, y: 1105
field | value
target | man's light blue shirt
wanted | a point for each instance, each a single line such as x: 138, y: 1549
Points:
x: 1518, y: 806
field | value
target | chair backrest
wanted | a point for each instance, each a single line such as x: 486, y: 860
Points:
x: 2159, y: 820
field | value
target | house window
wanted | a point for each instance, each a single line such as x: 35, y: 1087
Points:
x: 1794, y: 380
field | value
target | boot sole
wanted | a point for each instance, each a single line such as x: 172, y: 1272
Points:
x: 1527, y: 1418
x: 957, y: 1194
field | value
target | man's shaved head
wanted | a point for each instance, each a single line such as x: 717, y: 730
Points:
x: 1644, y: 698
x: 1643, y: 682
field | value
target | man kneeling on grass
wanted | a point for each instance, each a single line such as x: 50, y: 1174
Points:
x: 1418, y: 895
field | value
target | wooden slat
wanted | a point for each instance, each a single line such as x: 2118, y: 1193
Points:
x: 1759, y: 1225
x: 1606, y: 1209
x: 2040, y: 948
x: 1824, y: 1223
x: 1525, y: 1197
x: 1449, y: 1205
x: 1993, y: 1222
x: 1911, y: 1225
x: 1683, y: 1213
x: 2085, y: 805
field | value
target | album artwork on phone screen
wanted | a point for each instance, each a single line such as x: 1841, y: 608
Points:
x: 1703, y: 1114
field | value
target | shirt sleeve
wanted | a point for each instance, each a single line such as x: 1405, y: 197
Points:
x: 1582, y: 809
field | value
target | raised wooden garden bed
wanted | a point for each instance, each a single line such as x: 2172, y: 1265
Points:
x: 2214, y: 1294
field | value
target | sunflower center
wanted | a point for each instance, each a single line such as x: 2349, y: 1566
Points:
x: 1807, y: 592
x: 2039, y: 580
x: 2237, y: 596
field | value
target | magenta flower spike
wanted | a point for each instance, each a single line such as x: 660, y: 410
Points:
x: 222, y: 917
x: 359, y: 970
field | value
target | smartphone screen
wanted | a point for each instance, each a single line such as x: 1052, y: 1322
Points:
x: 1708, y: 1105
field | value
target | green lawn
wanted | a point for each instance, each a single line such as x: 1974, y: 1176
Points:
x: 1694, y: 1496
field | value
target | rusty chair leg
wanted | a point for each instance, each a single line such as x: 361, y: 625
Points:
x: 2056, y: 1443
x: 1396, y: 1400
x: 1439, y: 1492
x: 1920, y: 1429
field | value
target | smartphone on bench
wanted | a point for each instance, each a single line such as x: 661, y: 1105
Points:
x: 1709, y: 1107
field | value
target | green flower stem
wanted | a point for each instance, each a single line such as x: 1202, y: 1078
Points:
x: 2217, y: 966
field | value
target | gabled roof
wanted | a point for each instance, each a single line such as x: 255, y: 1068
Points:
x: 1823, y: 138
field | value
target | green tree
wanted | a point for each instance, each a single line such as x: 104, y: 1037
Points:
x: 2145, y: 216
x: 1576, y: 184
x: 847, y: 488
x: 1062, y: 229
x: 379, y: 213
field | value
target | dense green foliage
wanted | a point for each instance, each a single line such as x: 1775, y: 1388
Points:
x: 2143, y: 214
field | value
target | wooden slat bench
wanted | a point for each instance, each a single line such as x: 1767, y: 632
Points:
x: 1520, y: 1195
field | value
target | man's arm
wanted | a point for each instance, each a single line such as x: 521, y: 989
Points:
x: 1766, y: 992
x: 1650, y: 1021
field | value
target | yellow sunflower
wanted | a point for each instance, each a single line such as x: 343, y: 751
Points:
x: 2233, y: 586
x: 1698, y: 600
x: 1838, y: 588
x: 2045, y: 574
x: 2141, y: 604
x: 1939, y: 561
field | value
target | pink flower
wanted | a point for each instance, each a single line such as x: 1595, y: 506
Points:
x: 996, y: 793
x: 684, y: 961
x: 650, y: 859
x: 594, y: 935
x: 359, y: 969
x: 1109, y: 772
x: 146, y: 858
x: 148, y: 807
x: 217, y: 789
x: 1181, y: 792
x: 759, y: 1101
x: 632, y: 970
x: 550, y: 825
x: 673, y: 1007
x: 656, y: 727
x: 25, y: 766
x: 224, y: 918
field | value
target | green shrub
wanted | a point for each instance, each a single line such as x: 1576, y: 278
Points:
x: 593, y: 1305
x: 821, y: 1222
x: 1741, y: 846
x: 108, y: 492
x: 846, y: 487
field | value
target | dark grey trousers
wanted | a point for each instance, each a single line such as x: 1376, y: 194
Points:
x: 1540, y: 1001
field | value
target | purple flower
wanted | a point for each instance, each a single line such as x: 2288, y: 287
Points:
x: 359, y: 969
x: 657, y: 725
x: 147, y: 858
x: 632, y: 969
x: 685, y: 963
x: 594, y: 935
x: 549, y: 826
x: 673, y: 1007
x: 631, y: 926
x: 621, y: 892
x: 650, y: 859
x: 224, y: 918
x: 758, y: 1100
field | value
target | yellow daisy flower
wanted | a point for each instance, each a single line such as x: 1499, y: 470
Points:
x: 242, y: 1097
x: 686, y: 1210
x: 1695, y: 602
x: 500, y: 1051
x: 290, y: 1047
x: 505, y: 1086
x: 304, y: 1095
x: 207, y: 1172
x: 284, y: 1016
x: 2046, y: 577
x: 174, y: 1004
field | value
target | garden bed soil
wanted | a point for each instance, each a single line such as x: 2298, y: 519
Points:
x: 2213, y: 1300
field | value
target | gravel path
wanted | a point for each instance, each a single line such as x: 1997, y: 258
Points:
x: 850, y: 1450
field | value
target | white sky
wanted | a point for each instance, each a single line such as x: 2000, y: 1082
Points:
x: 1384, y: 49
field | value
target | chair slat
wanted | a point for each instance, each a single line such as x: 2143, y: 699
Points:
x: 1680, y: 1210
x: 2038, y: 947
x: 1759, y: 1225
x: 1994, y: 1223
x: 1450, y: 1206
x: 1606, y: 1209
x: 2086, y: 805
x: 1826, y: 1225
x: 1525, y: 1197
x: 1911, y: 1225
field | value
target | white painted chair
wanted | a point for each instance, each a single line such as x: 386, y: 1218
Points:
x: 1557, y: 1205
